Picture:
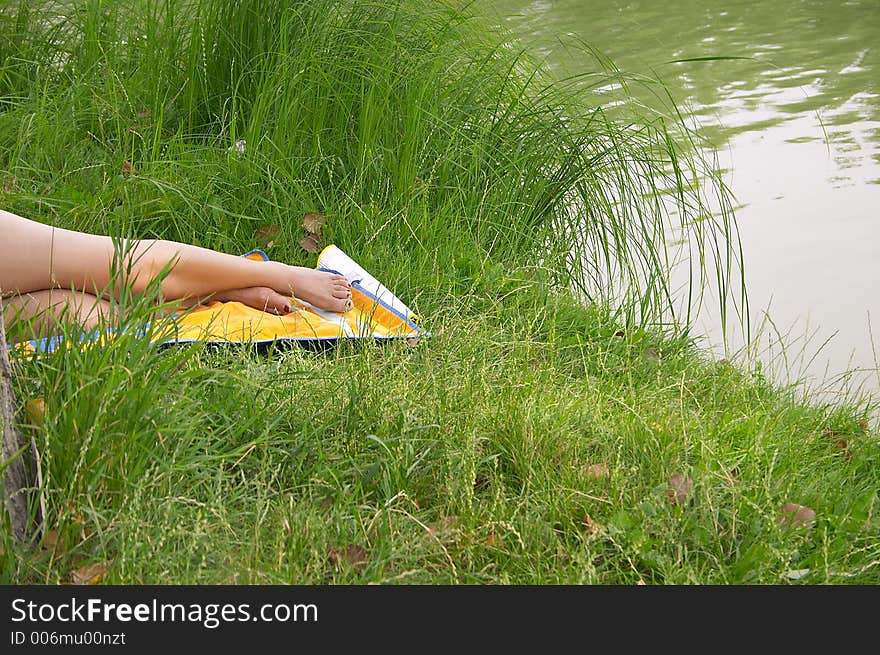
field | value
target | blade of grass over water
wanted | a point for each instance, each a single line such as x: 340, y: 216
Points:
x: 532, y: 226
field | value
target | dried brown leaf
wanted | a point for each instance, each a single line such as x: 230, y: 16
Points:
x: 491, y: 539
x: 311, y: 243
x: 90, y: 574
x: 35, y: 410
x: 838, y: 440
x: 863, y: 425
x: 598, y: 471
x: 591, y: 528
x: 797, y: 516
x: 52, y: 540
x: 313, y: 222
x: 352, y: 554
x: 128, y: 169
x: 267, y: 235
x: 9, y: 183
x: 679, y: 489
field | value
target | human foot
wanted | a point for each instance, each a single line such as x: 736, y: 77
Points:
x: 324, y: 290
x: 262, y: 298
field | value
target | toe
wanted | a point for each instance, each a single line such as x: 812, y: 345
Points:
x: 337, y: 305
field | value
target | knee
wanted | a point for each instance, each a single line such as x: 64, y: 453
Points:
x: 90, y: 311
x: 83, y: 309
x: 41, y: 313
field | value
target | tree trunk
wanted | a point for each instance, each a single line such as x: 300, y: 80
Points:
x: 15, y: 473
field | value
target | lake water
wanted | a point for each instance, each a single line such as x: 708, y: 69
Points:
x: 797, y: 128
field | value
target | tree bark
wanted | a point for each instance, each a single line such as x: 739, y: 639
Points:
x: 15, y: 474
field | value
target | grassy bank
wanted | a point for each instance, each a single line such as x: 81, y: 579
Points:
x: 532, y: 439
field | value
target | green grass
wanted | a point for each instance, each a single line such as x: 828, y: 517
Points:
x: 529, y: 229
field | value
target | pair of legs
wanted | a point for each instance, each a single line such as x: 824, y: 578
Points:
x: 48, y: 273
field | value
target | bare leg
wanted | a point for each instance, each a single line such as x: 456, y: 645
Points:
x: 34, y: 257
x: 35, y: 315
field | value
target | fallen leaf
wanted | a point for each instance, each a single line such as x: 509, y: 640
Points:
x: 313, y: 222
x: 679, y: 490
x: 590, y: 526
x: 52, y: 540
x: 597, y: 471
x: 127, y: 169
x: 35, y: 409
x: 863, y: 425
x: 797, y: 516
x: 311, y: 243
x: 351, y: 554
x: 9, y: 183
x: 267, y: 235
x: 90, y: 574
x: 839, y: 441
x: 491, y: 539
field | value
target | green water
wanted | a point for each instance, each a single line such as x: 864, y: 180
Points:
x: 797, y: 128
